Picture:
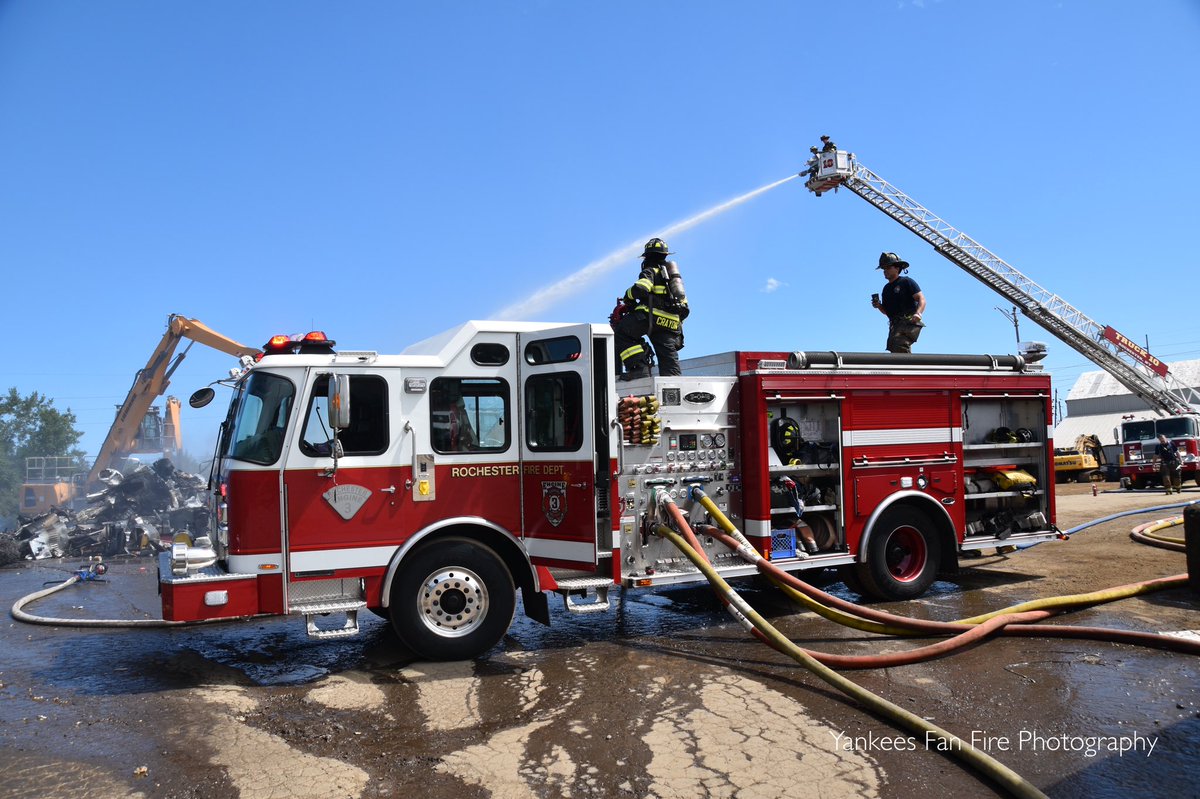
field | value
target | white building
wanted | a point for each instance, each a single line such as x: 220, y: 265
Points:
x: 1097, y: 404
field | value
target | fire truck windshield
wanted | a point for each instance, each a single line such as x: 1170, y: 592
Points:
x: 1176, y: 427
x: 1137, y: 431
x: 1148, y: 430
x: 261, y: 418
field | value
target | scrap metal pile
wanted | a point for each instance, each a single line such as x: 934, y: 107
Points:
x: 137, y: 513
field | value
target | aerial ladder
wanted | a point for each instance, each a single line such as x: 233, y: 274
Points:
x: 1132, y: 366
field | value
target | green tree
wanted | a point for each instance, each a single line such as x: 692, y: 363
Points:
x: 29, y: 427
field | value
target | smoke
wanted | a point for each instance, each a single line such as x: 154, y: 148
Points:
x: 572, y: 283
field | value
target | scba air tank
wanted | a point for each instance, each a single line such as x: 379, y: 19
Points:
x: 675, y: 282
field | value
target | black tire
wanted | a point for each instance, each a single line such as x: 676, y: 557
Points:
x: 849, y: 576
x: 903, y: 556
x: 453, y: 599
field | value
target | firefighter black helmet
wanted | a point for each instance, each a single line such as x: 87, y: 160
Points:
x: 655, y: 247
x: 891, y: 259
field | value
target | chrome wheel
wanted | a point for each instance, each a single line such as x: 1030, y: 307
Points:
x: 452, y: 601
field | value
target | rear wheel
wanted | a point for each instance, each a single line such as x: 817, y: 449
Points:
x: 849, y: 576
x: 902, y: 556
x: 452, y: 600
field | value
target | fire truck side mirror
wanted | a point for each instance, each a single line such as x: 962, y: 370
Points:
x: 339, y: 401
x: 201, y: 397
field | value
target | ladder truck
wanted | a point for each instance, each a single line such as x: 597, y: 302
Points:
x: 1176, y: 404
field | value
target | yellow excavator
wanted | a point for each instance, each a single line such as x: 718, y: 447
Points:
x: 1080, y: 463
x: 138, y: 426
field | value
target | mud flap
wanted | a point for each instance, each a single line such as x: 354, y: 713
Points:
x: 537, y: 605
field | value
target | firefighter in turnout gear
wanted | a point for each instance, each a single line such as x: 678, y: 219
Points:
x: 655, y: 307
x: 903, y: 303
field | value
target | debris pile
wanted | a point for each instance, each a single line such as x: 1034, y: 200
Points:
x: 134, y: 514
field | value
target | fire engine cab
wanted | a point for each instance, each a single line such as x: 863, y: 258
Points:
x: 430, y: 486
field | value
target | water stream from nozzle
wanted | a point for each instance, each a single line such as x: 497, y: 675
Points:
x: 577, y: 280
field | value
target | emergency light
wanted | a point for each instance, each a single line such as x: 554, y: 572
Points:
x: 312, y: 342
x: 277, y: 345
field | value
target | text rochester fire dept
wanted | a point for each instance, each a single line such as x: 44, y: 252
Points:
x: 506, y: 470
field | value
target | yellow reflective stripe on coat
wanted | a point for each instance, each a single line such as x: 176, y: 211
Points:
x: 668, y: 320
x: 645, y: 283
x: 636, y: 349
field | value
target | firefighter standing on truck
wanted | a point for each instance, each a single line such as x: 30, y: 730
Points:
x: 654, y: 306
x: 903, y: 304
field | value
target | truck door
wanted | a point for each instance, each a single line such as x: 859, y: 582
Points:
x: 558, y: 470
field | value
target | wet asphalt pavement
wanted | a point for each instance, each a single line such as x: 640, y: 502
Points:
x: 663, y: 696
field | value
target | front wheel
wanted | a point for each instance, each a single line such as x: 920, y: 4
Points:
x: 902, y: 556
x: 452, y: 600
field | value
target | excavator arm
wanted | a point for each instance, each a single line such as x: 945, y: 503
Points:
x: 151, y: 382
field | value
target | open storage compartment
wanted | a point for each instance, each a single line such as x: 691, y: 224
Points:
x: 1006, y: 470
x: 806, y: 446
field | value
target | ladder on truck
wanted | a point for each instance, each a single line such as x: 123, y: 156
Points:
x: 1132, y: 366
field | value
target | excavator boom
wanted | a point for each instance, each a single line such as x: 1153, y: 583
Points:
x: 151, y: 382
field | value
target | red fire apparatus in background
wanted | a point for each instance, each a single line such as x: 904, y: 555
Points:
x: 1139, y: 465
x: 431, y: 486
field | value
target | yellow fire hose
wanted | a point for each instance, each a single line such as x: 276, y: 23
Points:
x: 993, y: 769
x: 1148, y: 534
x: 871, y: 620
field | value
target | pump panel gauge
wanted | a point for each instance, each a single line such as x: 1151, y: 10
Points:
x: 706, y: 441
x: 718, y: 439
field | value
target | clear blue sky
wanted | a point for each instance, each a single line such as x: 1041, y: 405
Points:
x: 386, y: 170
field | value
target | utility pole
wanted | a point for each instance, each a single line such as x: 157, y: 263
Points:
x: 1012, y: 317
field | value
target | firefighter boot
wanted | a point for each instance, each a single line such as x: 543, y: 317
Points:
x: 636, y: 372
x: 637, y: 366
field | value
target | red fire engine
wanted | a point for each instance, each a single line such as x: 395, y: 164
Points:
x: 430, y: 486
x: 1140, y: 466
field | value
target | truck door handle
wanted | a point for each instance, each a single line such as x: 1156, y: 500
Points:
x: 388, y: 490
x: 580, y: 485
